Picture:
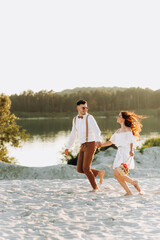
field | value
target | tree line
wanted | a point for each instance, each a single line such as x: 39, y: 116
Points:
x: 11, y: 134
x: 99, y: 99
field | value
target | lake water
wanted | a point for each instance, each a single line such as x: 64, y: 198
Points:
x: 49, y: 136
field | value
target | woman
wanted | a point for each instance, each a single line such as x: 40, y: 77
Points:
x: 126, y: 139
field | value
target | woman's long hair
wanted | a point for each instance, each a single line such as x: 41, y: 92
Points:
x: 132, y: 120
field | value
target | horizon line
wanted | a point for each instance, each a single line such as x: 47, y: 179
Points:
x: 72, y: 89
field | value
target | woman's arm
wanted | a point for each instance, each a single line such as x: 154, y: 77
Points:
x: 106, y: 144
x: 131, y: 150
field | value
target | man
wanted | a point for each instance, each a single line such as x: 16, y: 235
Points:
x: 85, y: 126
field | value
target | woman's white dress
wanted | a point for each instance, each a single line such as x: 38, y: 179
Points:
x: 123, y: 140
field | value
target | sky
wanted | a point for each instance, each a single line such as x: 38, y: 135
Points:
x: 63, y: 44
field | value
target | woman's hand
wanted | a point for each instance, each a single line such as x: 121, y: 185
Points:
x: 131, y: 153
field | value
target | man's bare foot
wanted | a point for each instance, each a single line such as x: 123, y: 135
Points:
x: 141, y: 193
x: 95, y: 190
x: 128, y: 193
x: 101, y: 175
x: 136, y: 185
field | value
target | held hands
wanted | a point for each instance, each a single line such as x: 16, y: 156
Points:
x: 103, y: 144
x: 98, y: 144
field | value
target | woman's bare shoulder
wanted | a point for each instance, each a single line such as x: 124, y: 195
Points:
x: 118, y: 130
x: 127, y: 129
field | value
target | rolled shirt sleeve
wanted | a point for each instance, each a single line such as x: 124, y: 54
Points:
x: 72, y: 136
x: 95, y: 128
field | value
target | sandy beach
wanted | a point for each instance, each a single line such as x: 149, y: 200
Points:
x: 56, y: 202
x: 65, y: 209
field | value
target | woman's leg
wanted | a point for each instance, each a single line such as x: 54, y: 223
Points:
x: 122, y: 182
x: 128, y: 179
x: 133, y: 182
x: 136, y: 185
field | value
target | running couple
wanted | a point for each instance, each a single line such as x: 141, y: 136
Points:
x: 125, y: 138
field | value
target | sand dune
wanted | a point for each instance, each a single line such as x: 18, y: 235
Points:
x: 147, y: 165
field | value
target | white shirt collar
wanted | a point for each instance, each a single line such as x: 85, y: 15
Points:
x: 83, y: 115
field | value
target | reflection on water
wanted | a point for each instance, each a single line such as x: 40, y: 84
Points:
x: 49, y: 127
x: 49, y: 136
x: 45, y: 128
x: 41, y: 151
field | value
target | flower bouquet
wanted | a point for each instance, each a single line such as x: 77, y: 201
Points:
x: 123, y: 169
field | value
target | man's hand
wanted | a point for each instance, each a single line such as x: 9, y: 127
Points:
x: 66, y: 152
x: 98, y: 144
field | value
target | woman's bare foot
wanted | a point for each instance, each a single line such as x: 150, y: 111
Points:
x: 136, y: 185
x: 101, y: 175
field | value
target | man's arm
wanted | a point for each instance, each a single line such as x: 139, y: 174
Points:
x: 96, y: 130
x: 72, y: 138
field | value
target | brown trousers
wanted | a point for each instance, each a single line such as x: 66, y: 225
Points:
x: 84, y: 162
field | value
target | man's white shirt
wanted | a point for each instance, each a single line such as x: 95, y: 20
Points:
x: 79, y: 130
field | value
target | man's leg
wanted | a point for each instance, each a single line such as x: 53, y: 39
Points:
x: 96, y: 172
x: 80, y: 160
x: 87, y: 160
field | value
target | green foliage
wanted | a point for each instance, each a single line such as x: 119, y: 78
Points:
x: 72, y: 156
x: 141, y: 150
x: 10, y: 133
x: 108, y: 134
x: 99, y: 99
x: 71, y: 159
x: 152, y: 142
